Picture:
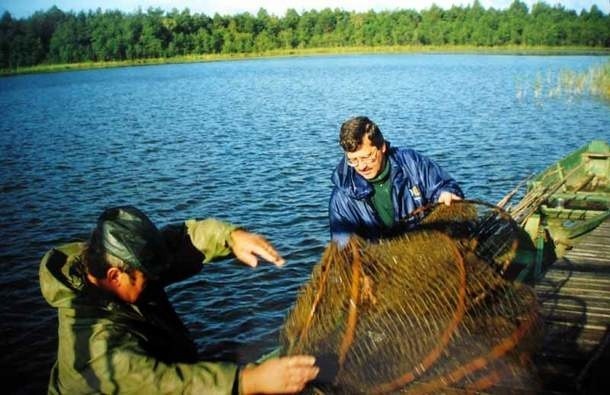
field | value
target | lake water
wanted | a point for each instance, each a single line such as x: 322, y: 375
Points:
x: 253, y: 142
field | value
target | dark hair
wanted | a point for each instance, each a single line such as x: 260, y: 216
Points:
x: 97, y: 261
x: 127, y: 239
x: 353, y: 131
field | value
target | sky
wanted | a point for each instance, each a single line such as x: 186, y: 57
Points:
x: 25, y: 8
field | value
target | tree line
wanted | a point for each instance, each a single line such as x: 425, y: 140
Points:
x: 55, y: 36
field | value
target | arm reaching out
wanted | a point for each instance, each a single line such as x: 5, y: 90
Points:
x: 216, y: 238
x: 248, y: 247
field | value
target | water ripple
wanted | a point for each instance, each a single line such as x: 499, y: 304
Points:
x: 252, y: 142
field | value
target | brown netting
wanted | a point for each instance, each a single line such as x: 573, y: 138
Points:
x: 425, y: 312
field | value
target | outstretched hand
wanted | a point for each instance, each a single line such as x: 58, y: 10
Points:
x: 448, y: 197
x: 249, y: 247
x: 279, y: 375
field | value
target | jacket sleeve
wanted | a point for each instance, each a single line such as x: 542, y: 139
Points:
x: 210, y: 236
x: 192, y: 243
x: 122, y: 366
x: 434, y: 179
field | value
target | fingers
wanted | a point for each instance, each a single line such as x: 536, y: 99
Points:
x: 447, y: 198
x: 301, y: 360
x: 454, y: 198
x: 285, y: 375
x: 301, y: 369
x: 247, y: 247
x: 247, y: 257
x: 268, y: 253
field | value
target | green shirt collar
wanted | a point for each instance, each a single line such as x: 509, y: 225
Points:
x: 383, y: 176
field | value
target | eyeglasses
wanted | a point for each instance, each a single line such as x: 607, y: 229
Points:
x: 367, y: 160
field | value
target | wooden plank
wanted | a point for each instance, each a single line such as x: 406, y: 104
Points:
x: 584, y: 346
x: 574, y: 295
x: 585, y: 246
x: 584, y: 265
x: 581, y: 293
x: 594, y: 307
x: 595, y: 280
x: 575, y: 306
x: 588, y: 321
x: 587, y: 243
x: 566, y: 281
x: 558, y: 277
x: 595, y: 251
x: 574, y: 289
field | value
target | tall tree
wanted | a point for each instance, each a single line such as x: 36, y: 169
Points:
x: 56, y: 36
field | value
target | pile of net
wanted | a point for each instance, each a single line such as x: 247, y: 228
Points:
x: 427, y: 312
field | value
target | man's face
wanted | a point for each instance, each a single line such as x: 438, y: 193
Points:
x: 367, y: 160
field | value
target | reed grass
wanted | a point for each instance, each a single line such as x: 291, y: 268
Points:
x: 601, y: 81
x: 595, y: 81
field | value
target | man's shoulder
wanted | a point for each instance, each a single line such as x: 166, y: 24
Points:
x: 340, y: 178
x: 338, y: 193
x: 61, y: 257
x: 340, y: 200
x: 409, y: 157
x: 404, y: 152
x: 68, y: 249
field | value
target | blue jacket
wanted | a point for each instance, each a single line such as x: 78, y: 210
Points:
x: 416, y: 181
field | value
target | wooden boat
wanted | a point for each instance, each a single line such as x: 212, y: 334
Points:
x: 562, y: 204
x: 565, y: 255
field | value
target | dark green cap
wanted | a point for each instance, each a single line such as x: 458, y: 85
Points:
x: 128, y: 234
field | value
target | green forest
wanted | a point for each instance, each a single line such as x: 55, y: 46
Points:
x: 58, y: 37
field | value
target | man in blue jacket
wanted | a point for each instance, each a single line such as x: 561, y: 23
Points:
x: 377, y: 187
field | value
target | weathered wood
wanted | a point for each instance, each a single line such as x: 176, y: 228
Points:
x: 597, y: 307
x: 578, y: 291
x: 571, y: 278
x: 595, y: 259
x: 574, y: 295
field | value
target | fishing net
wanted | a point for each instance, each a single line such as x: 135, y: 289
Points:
x: 424, y: 312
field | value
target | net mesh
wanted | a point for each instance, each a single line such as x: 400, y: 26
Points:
x: 426, y: 311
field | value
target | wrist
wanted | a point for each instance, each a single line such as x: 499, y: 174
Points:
x: 232, y: 233
x: 246, y: 381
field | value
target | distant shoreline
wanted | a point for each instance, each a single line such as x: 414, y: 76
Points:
x: 297, y: 52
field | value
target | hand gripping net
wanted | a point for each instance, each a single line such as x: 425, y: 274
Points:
x: 422, y: 313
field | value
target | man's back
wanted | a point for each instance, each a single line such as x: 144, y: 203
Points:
x: 107, y: 345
